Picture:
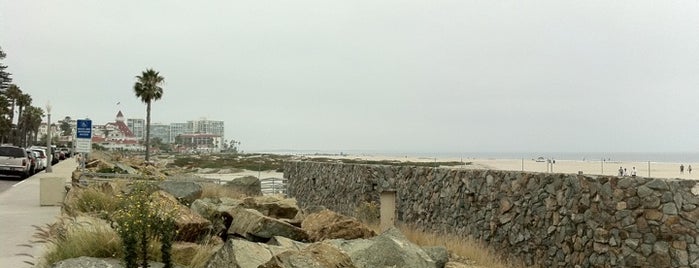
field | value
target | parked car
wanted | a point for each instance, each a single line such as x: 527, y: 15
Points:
x: 41, y: 156
x: 14, y: 161
x: 32, y: 162
x: 55, y: 158
x: 66, y: 151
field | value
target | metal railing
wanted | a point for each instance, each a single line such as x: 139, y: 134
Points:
x: 273, y: 186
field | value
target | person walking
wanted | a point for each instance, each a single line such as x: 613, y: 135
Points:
x: 681, y: 168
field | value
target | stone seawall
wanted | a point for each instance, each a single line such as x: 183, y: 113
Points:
x: 544, y: 219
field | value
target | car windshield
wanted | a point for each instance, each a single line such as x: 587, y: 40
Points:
x: 40, y: 153
x: 12, y: 151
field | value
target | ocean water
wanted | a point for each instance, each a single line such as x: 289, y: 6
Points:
x: 667, y: 157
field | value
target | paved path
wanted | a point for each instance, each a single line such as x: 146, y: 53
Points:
x: 20, y: 209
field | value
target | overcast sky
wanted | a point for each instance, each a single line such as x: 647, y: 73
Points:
x: 402, y: 76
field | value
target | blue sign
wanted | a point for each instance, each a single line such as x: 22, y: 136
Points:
x: 84, y: 129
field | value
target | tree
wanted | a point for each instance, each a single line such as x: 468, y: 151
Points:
x: 23, y: 101
x: 5, y: 78
x: 148, y: 88
x: 5, y: 123
x: 13, y: 93
x: 66, y: 129
x: 30, y: 122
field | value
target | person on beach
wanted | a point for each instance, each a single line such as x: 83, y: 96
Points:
x: 621, y: 171
x: 633, y: 172
x: 681, y: 168
x: 689, y: 169
x: 625, y: 173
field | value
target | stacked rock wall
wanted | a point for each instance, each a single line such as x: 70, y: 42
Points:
x: 544, y: 219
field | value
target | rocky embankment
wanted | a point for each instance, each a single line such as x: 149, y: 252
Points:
x: 263, y: 231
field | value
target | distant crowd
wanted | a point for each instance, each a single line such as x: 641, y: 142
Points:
x: 689, y: 169
x: 624, y: 173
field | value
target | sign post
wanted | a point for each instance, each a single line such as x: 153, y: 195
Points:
x: 83, y: 139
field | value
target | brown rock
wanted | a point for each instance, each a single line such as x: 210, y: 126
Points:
x: 254, y: 226
x: 318, y: 255
x: 271, y: 206
x: 653, y: 214
x: 330, y: 225
x: 190, y: 225
x: 505, y: 205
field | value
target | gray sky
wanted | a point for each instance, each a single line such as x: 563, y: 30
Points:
x: 411, y: 76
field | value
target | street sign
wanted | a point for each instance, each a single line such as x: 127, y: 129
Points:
x: 84, y: 129
x: 83, y: 141
x: 83, y: 145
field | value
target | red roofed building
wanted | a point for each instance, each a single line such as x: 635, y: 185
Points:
x: 116, y: 135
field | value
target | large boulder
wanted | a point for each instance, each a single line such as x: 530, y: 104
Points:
x: 254, y: 226
x: 286, y: 243
x: 185, y: 191
x: 247, y: 185
x: 98, y: 262
x: 327, y: 224
x: 439, y: 254
x: 390, y: 249
x: 190, y: 226
x: 318, y: 255
x: 241, y: 254
x: 272, y: 206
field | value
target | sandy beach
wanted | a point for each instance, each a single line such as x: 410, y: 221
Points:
x: 611, y: 168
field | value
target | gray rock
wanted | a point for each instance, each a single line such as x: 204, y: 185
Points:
x: 439, y: 255
x: 318, y: 255
x: 670, y: 209
x: 240, y: 254
x: 661, y: 247
x: 252, y: 225
x: 286, y: 243
x: 90, y: 262
x: 658, y: 184
x: 247, y: 185
x: 207, y: 208
x: 644, y: 191
x: 185, y: 191
x: 390, y: 249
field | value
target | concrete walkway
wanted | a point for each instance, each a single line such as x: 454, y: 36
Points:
x: 20, y: 210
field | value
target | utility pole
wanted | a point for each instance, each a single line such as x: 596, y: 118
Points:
x: 49, y: 152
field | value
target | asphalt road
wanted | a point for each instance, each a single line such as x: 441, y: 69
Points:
x: 7, y: 182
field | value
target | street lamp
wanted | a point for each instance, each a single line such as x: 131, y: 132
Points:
x: 49, y: 152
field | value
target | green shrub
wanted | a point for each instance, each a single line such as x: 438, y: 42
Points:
x: 139, y: 221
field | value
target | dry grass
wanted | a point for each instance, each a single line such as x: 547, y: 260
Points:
x: 203, y: 255
x: 477, y: 254
x: 466, y: 248
x: 75, y: 237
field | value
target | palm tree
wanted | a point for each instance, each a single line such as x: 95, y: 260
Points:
x: 148, y: 89
x: 23, y: 101
x: 5, y: 123
x: 31, y: 120
x: 12, y: 93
